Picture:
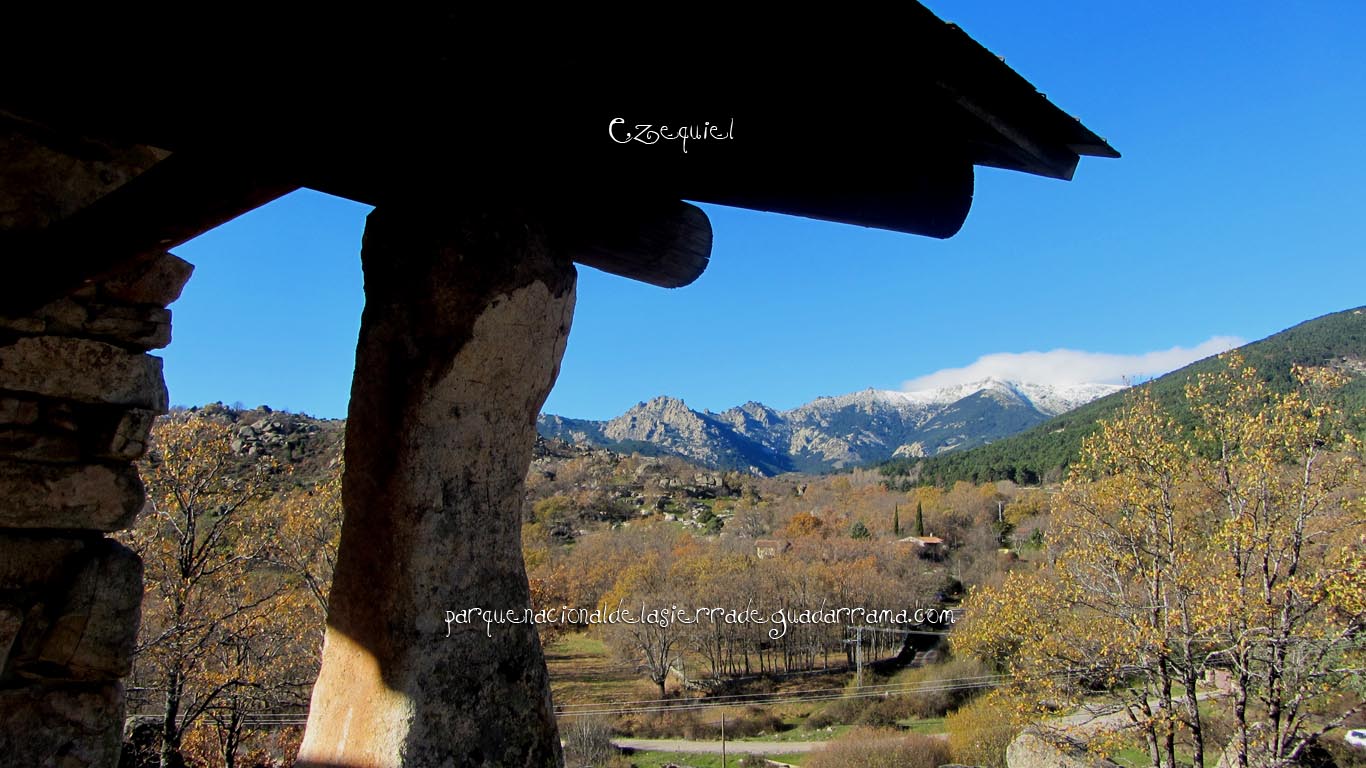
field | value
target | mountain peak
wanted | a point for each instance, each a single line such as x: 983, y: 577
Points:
x: 659, y: 404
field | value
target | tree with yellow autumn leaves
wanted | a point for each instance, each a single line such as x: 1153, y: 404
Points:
x: 1285, y: 600
x: 237, y: 560
x: 1234, y: 544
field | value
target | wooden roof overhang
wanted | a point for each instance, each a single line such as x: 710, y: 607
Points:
x: 820, y: 136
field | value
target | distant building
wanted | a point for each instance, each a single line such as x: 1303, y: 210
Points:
x: 925, y: 546
x: 770, y: 547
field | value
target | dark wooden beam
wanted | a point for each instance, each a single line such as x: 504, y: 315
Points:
x: 173, y: 201
x: 919, y: 194
x: 665, y: 243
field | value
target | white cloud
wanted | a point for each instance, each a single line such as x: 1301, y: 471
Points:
x: 1071, y: 366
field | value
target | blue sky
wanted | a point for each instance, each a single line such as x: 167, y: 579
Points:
x: 1236, y: 211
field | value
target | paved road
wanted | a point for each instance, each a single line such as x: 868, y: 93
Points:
x: 714, y: 747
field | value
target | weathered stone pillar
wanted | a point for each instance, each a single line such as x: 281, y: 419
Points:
x: 466, y: 319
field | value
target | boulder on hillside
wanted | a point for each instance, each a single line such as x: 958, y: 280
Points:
x: 1033, y: 749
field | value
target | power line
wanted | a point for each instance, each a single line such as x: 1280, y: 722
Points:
x: 644, y: 706
x: 742, y: 698
x: 648, y: 706
x: 795, y: 697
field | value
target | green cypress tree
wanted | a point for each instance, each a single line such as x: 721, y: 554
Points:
x: 896, y: 520
x: 919, y: 519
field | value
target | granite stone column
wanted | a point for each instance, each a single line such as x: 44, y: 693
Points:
x: 466, y: 319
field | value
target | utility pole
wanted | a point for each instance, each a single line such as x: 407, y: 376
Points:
x: 723, y: 740
x: 858, y: 659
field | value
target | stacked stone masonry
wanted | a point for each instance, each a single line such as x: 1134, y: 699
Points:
x: 78, y: 395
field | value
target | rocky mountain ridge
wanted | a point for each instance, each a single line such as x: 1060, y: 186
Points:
x: 829, y: 433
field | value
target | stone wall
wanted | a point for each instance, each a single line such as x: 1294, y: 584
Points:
x: 78, y: 395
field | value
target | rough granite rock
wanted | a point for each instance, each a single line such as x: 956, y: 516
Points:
x: 84, y: 371
x: 61, y: 726
x: 465, y: 321
x: 89, y: 630
x: 93, y: 497
x: 128, y: 310
x: 11, y: 621
x: 28, y: 562
x: 127, y: 438
x: 39, y: 445
x: 1030, y: 750
x: 77, y: 602
x: 56, y: 432
x: 18, y: 411
x: 156, y: 282
x: 141, y: 328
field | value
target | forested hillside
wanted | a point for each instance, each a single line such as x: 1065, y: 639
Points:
x: 1043, y: 452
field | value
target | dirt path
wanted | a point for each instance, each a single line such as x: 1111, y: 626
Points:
x: 1090, y: 718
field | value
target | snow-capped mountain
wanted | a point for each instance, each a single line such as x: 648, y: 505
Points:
x: 831, y: 432
x: 1054, y: 399
x: 1051, y: 399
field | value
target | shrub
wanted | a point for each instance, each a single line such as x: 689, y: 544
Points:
x: 871, y: 748
x: 886, y: 712
x: 980, y: 731
x: 820, y: 718
x: 942, y: 686
x: 683, y: 724
x: 689, y: 724
x: 754, y: 721
x: 587, y: 741
x: 837, y: 712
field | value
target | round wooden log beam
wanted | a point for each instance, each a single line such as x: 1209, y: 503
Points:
x: 665, y: 243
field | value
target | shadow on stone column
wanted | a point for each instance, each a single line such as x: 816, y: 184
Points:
x: 466, y: 319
